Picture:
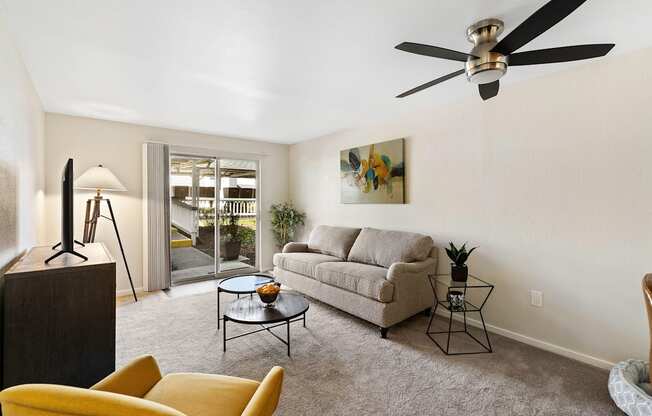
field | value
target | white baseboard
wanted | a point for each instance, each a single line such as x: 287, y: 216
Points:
x: 126, y: 292
x: 566, y: 352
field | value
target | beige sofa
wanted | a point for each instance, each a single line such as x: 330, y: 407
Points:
x: 377, y: 275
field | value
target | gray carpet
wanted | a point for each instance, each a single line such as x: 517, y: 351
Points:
x: 340, y: 366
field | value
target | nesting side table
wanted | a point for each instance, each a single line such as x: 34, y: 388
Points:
x: 244, y: 284
x: 457, y: 301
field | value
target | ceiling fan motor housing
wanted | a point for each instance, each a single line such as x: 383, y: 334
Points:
x: 485, y: 66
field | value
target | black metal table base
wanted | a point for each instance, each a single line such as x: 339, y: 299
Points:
x: 218, y: 304
x: 486, y: 348
x: 264, y: 328
x: 465, y: 307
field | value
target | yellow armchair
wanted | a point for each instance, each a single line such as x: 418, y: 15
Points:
x: 140, y: 389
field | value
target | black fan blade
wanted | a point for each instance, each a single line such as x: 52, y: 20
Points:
x: 563, y: 54
x: 434, y: 51
x: 431, y: 83
x: 490, y: 90
x: 543, y: 19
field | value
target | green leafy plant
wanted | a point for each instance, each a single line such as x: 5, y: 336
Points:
x: 459, y: 256
x: 285, y: 220
x: 230, y: 224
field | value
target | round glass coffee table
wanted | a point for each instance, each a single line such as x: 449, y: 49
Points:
x: 288, y: 308
x: 244, y: 284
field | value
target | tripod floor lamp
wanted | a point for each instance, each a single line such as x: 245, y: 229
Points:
x: 99, y: 178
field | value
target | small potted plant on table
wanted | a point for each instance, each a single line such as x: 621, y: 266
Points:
x: 459, y: 256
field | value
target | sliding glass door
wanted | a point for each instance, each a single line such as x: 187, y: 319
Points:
x: 238, y: 215
x: 192, y: 217
x: 212, y: 200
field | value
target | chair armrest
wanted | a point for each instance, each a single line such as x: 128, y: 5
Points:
x: 295, y: 247
x: 267, y: 395
x: 426, y: 266
x: 135, y: 379
x: 49, y: 399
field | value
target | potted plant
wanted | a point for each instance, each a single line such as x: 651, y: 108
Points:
x: 285, y: 220
x: 232, y: 237
x: 459, y: 256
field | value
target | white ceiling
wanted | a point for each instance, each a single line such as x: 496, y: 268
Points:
x: 275, y: 70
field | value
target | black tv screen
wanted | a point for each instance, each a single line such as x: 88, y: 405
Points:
x: 67, y: 226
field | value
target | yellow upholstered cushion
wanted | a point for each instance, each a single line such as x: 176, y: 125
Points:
x: 49, y: 399
x: 203, y: 394
x: 135, y: 379
x: 183, y: 394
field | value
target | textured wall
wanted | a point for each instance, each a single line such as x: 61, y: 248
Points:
x: 552, y: 179
x: 21, y: 153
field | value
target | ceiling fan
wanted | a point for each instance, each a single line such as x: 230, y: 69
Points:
x: 489, y: 59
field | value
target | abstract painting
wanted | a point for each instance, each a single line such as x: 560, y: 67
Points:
x: 373, y: 174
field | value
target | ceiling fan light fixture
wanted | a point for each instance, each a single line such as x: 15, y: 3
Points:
x: 485, y: 66
x: 490, y: 58
x: 485, y: 76
x: 489, y: 67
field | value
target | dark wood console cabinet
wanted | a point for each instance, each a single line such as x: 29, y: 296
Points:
x: 58, y: 319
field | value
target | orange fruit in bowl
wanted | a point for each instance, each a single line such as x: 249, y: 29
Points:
x: 268, y: 289
x: 268, y: 292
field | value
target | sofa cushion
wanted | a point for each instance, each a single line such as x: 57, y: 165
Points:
x: 363, y: 279
x: 334, y: 241
x: 384, y: 248
x: 302, y: 263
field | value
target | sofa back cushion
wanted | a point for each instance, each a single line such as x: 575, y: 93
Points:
x: 383, y: 248
x: 334, y: 241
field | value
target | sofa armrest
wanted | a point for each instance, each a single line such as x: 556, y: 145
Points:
x: 412, y: 285
x: 135, y: 379
x: 426, y: 266
x: 295, y: 247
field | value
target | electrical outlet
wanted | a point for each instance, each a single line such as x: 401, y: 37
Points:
x: 536, y: 298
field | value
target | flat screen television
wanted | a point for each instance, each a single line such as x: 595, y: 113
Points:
x: 67, y: 243
x: 67, y: 226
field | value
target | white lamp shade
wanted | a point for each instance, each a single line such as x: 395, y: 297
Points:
x: 99, y: 177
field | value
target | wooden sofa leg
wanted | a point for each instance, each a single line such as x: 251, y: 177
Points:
x: 383, y: 332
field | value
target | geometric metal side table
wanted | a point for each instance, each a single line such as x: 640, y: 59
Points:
x: 461, y: 305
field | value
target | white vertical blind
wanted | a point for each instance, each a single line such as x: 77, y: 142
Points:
x: 156, y: 212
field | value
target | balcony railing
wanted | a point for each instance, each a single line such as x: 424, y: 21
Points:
x: 244, y: 207
x: 187, y: 218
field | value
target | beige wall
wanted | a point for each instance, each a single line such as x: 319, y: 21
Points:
x: 21, y: 153
x: 118, y: 146
x: 552, y: 180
